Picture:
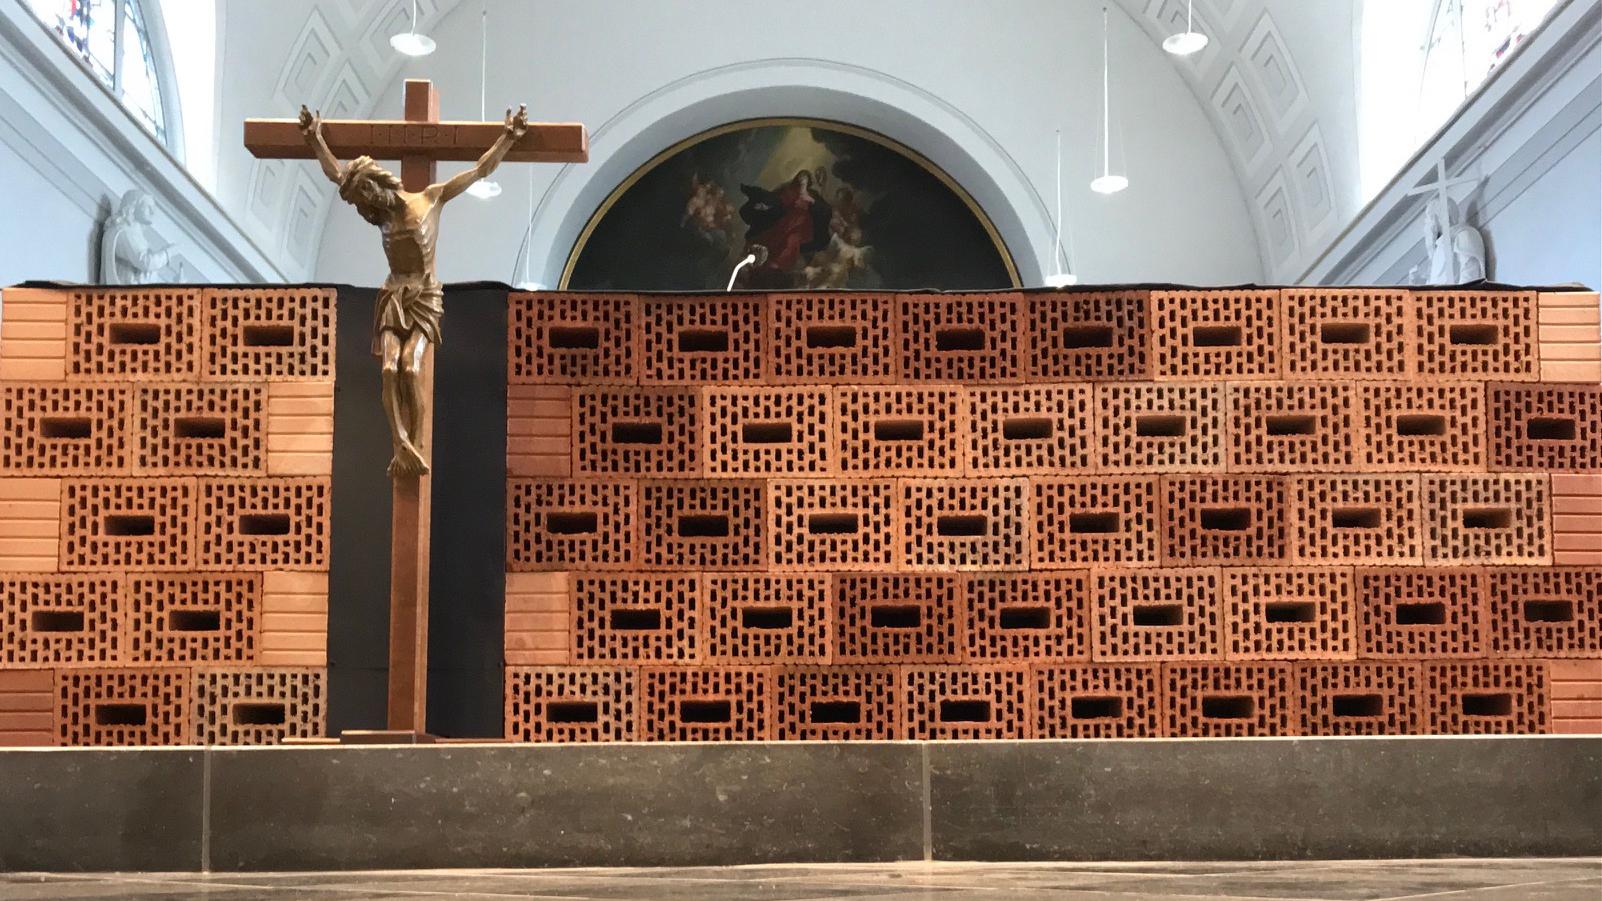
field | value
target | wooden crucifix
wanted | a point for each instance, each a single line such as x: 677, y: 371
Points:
x: 406, y: 324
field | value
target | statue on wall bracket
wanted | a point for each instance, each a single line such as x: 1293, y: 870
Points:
x: 131, y: 251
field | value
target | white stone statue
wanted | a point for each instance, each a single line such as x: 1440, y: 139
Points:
x: 131, y: 252
x: 1456, y: 250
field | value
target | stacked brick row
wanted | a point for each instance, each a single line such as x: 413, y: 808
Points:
x: 165, y: 457
x: 1095, y: 513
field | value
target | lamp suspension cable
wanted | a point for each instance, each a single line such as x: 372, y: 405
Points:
x: 483, y: 189
x: 1059, y: 278
x: 1106, y: 183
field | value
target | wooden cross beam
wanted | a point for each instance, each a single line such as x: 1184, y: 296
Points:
x: 419, y: 141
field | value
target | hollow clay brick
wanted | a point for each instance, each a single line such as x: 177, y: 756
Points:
x: 1475, y: 335
x: 1160, y: 428
x: 300, y: 428
x: 264, y: 523
x: 1406, y: 613
x: 133, y: 706
x: 128, y: 524
x: 703, y: 525
x: 33, y: 334
x: 1157, y: 614
x: 762, y: 432
x: 900, y: 431
x: 964, y: 524
x: 830, y: 339
x: 50, y: 620
x: 1094, y: 521
x: 572, y: 338
x: 1356, y: 519
x: 1487, y: 519
x: 1576, y: 519
x: 1229, y: 520
x: 696, y: 703
x: 697, y: 340
x: 636, y: 618
x: 268, y: 334
x: 1289, y: 614
x: 1576, y: 695
x: 637, y: 431
x: 1228, y: 700
x: 768, y: 618
x: 1223, y: 334
x: 564, y: 524
x: 1486, y: 697
x: 193, y: 618
x: 897, y: 618
x: 27, y: 707
x: 1569, y: 336
x: 538, y: 618
x: 1346, y: 333
x: 200, y: 430
x: 1545, y: 428
x: 294, y: 619
x: 1078, y: 701
x: 259, y: 706
x: 1541, y: 612
x: 960, y: 338
x: 1022, y: 430
x: 1292, y: 427
x: 953, y: 702
x: 30, y: 524
x: 1027, y: 616
x: 818, y: 525
x: 1087, y: 335
x: 52, y: 429
x: 140, y: 334
x: 571, y: 703
x: 1359, y: 698
x: 837, y: 703
x: 1421, y: 427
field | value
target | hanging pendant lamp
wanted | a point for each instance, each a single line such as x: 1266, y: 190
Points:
x: 1106, y: 182
x: 1059, y: 278
x: 483, y: 189
x: 1190, y: 40
x: 410, y: 42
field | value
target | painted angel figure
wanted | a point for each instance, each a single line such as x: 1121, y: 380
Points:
x: 406, y: 317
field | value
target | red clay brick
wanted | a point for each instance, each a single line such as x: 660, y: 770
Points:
x: 685, y: 703
x: 1412, y: 428
x: 1475, y: 335
x: 1487, y: 519
x: 1359, y: 698
x: 1160, y: 428
x: 829, y: 339
x: 694, y: 340
x: 1486, y: 697
x: 1545, y: 612
x: 1569, y: 333
x: 758, y: 432
x: 254, y: 706
x: 1230, y: 520
x: 1576, y: 695
x: 1076, y: 701
x: 840, y: 526
x: 1087, y: 335
x: 894, y: 618
x: 58, y: 429
x: 947, y: 702
x: 768, y: 618
x: 964, y: 524
x: 837, y: 703
x: 1156, y: 614
x: 27, y: 706
x: 1289, y: 614
x: 571, y: 703
x: 62, y: 620
x: 1346, y: 333
x: 1031, y: 429
x: 193, y: 618
x: 300, y: 428
x: 1546, y: 428
x: 703, y: 525
x: 539, y: 430
x: 960, y: 338
x: 1409, y: 613
x: 1356, y: 519
x: 33, y: 334
x: 572, y: 339
x: 268, y: 334
x: 1034, y: 616
x: 538, y: 624
x: 634, y: 618
x: 1292, y: 428
x: 145, y: 706
x: 900, y: 431
x: 637, y: 431
x: 1224, y: 334
x: 1094, y: 521
x: 1219, y: 700
x: 30, y: 525
x: 146, y: 334
x: 201, y: 430
x: 1576, y: 519
x: 125, y: 524
x: 556, y: 524
x: 264, y: 523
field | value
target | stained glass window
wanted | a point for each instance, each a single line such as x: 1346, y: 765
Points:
x: 112, y: 40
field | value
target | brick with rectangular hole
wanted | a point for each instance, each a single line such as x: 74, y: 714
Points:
x: 636, y: 617
x: 539, y: 430
x: 62, y: 620
x: 1155, y: 614
x: 897, y: 617
x: 1030, y: 429
x: 1475, y: 335
x: 1087, y: 335
x: 571, y: 703
x: 975, y: 701
x: 1487, y: 519
x: 1359, y: 698
x: 695, y: 340
x: 264, y: 523
x: 837, y: 703
x: 1231, y: 520
x: 572, y: 338
x: 1545, y: 612
x: 1228, y: 700
x: 1569, y: 335
x: 1219, y: 334
x: 706, y: 703
x: 1355, y: 519
x: 637, y: 431
x: 260, y: 706
x: 1289, y: 614
x: 27, y: 707
x: 703, y: 525
x: 964, y: 523
x: 835, y: 526
x: 831, y: 339
x: 60, y: 429
x: 562, y: 524
x: 124, y: 524
x: 1160, y: 428
x: 1486, y: 697
x: 1291, y: 428
x: 1414, y: 427
x: 144, y: 334
x: 200, y: 430
x: 960, y: 338
x: 538, y: 621
x: 131, y: 706
x: 1092, y: 701
x: 768, y: 618
x: 757, y: 432
x: 193, y: 618
x: 1425, y: 612
x: 268, y: 334
x: 900, y: 431
x: 1027, y: 616
x: 1094, y: 521
x: 1346, y: 333
x: 1545, y: 428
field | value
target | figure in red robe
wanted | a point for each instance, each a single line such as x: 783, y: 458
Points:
x: 791, y: 223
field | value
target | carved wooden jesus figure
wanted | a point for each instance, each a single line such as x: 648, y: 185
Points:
x: 406, y: 318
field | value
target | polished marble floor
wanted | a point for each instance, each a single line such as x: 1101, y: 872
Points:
x: 1445, y: 880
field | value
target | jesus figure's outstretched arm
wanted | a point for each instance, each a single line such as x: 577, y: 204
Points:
x: 516, y: 127
x: 311, y: 128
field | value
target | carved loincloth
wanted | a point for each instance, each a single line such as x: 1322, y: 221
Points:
x: 406, y: 305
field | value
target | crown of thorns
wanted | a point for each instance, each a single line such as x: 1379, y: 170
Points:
x: 364, y: 167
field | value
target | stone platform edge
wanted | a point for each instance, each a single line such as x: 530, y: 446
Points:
x: 682, y: 804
